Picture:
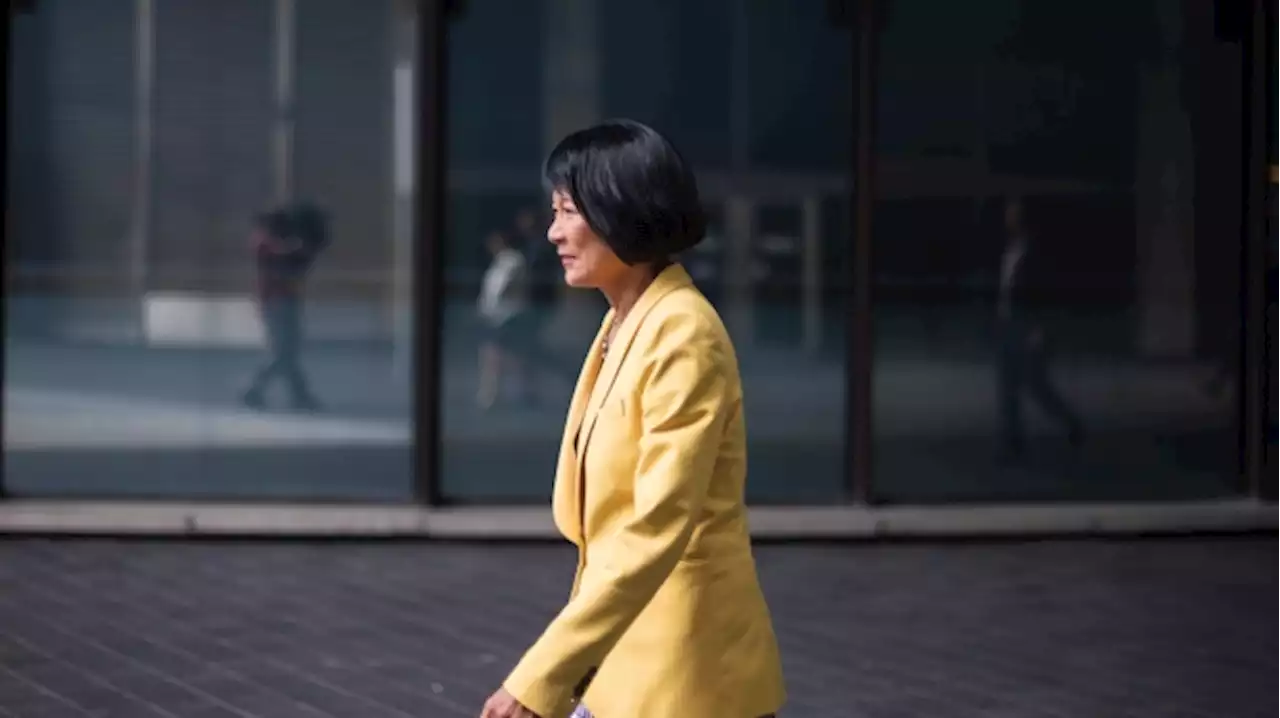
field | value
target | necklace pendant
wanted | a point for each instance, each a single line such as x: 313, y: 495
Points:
x: 608, y: 338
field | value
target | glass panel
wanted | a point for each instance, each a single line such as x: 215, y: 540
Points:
x: 1057, y: 252
x: 757, y: 97
x: 141, y: 306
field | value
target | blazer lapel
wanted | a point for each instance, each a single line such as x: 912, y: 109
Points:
x: 671, y: 278
x: 567, y: 501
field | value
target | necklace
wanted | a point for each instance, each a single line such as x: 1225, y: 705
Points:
x: 608, y: 337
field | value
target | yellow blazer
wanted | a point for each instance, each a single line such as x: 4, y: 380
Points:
x: 666, y: 618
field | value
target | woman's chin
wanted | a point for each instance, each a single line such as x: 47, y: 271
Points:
x: 577, y: 280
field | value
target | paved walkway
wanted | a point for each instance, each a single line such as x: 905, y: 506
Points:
x: 1056, y: 629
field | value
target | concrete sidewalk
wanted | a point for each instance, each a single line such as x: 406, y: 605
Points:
x: 1052, y: 629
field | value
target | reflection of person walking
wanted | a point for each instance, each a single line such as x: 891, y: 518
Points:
x: 1023, y: 364
x: 503, y: 307
x: 545, y: 278
x: 285, y: 242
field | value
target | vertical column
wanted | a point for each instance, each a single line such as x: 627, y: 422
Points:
x: 980, y: 151
x: 570, y: 101
x: 1257, y: 419
x: 740, y: 208
x: 144, y: 101
x: 740, y: 87
x: 285, y: 23
x: 429, y: 196
x: 1165, y: 206
x: 859, y: 413
x: 811, y: 276
x: 570, y: 68
x: 404, y: 32
x: 739, y: 227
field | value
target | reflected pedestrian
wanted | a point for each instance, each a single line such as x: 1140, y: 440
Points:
x: 545, y: 282
x: 285, y: 242
x: 503, y: 307
x: 1023, y: 358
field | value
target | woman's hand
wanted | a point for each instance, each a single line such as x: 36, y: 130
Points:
x: 503, y: 705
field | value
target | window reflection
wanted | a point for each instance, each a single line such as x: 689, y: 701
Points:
x: 204, y: 194
x: 1057, y: 253
x: 1087, y: 350
x: 758, y: 99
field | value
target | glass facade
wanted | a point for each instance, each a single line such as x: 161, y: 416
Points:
x: 1016, y: 225
x: 758, y: 96
x: 147, y: 136
x: 1057, y: 253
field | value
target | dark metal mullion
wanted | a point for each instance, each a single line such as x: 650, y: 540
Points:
x: 1267, y: 233
x: 1254, y: 261
x: 860, y: 363
x: 428, y: 233
x: 4, y: 236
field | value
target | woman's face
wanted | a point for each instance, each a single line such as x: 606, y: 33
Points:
x: 587, y: 260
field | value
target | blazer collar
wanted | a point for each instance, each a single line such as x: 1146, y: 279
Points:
x: 672, y: 278
x: 668, y: 280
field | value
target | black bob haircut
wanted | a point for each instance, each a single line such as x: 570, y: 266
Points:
x: 632, y: 187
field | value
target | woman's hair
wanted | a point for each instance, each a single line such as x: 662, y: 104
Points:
x: 632, y: 187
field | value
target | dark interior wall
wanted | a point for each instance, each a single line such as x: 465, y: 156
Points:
x: 1214, y: 91
x: 343, y: 135
x: 26, y: 212
x: 73, y: 126
x: 214, y: 81
x: 71, y: 122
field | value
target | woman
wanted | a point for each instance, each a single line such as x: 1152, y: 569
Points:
x: 503, y: 306
x: 666, y: 618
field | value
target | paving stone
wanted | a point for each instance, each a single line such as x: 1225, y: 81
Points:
x: 1040, y: 629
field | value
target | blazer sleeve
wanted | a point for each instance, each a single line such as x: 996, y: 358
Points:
x: 685, y: 397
